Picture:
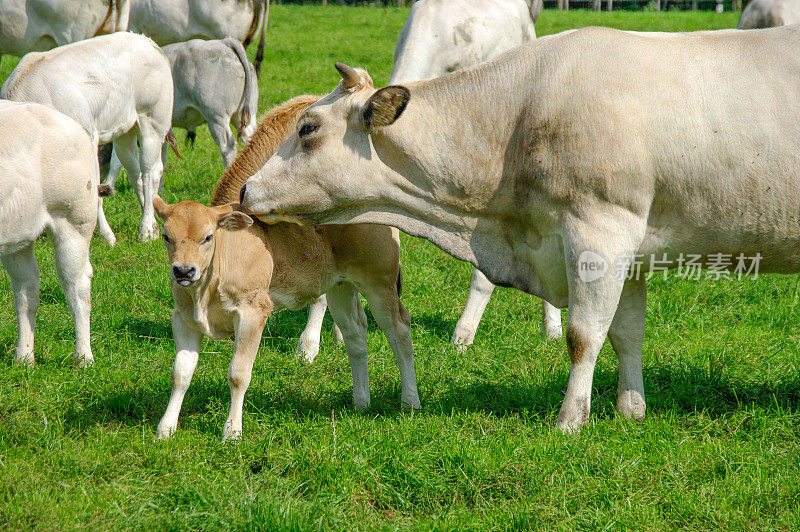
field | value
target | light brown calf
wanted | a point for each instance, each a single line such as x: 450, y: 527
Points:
x: 229, y: 274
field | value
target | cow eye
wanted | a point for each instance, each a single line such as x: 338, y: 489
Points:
x: 166, y: 238
x: 308, y: 129
x: 207, y: 239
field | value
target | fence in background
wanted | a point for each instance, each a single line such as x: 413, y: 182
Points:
x: 566, y: 5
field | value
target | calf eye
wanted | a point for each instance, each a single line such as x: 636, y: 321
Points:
x: 166, y: 238
x: 207, y: 239
x: 308, y: 129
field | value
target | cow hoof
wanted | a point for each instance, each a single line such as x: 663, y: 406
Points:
x: 233, y: 436
x: 165, y: 432
x: 307, y: 351
x: 25, y: 360
x: 630, y: 404
x: 83, y: 361
x: 573, y: 415
x: 410, y: 403
x: 149, y: 234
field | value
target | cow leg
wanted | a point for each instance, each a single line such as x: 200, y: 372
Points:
x: 23, y: 272
x: 102, y: 225
x: 225, y: 139
x: 480, y: 291
x: 395, y: 322
x: 150, y: 143
x: 603, y: 242
x: 627, y: 336
x: 114, y: 169
x: 347, y: 312
x: 127, y: 152
x: 187, y: 351
x: 308, y: 345
x: 551, y: 321
x: 248, y: 337
x: 164, y: 152
x: 75, y: 276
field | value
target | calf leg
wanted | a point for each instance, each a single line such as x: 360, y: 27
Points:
x: 308, y: 345
x: 551, y: 321
x: 627, y: 336
x: 75, y: 276
x: 248, y: 338
x: 187, y: 351
x: 150, y: 142
x: 221, y: 133
x: 345, y: 306
x: 480, y: 291
x: 23, y: 273
x: 395, y: 322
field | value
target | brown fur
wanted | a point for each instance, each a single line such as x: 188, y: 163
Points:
x: 273, y: 129
x: 575, y: 345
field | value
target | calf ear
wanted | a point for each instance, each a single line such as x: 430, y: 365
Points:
x: 386, y: 106
x: 162, y: 209
x: 235, y: 221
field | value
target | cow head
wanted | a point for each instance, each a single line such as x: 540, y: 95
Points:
x: 189, y: 234
x: 328, y: 171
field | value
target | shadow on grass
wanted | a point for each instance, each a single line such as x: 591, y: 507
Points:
x: 436, y: 324
x: 681, y: 391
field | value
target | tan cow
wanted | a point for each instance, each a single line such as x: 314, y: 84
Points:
x: 229, y: 275
x: 554, y: 166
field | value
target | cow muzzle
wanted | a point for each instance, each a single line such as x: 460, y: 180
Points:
x: 185, y: 274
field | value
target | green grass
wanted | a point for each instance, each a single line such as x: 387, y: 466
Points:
x: 718, y: 449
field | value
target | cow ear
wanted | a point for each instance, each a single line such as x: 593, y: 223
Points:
x: 386, y: 106
x: 235, y: 221
x: 162, y: 209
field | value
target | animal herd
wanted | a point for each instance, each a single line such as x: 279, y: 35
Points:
x: 525, y: 157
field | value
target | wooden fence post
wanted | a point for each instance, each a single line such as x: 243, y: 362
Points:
x: 610, y: 5
x: 596, y: 5
x: 658, y: 5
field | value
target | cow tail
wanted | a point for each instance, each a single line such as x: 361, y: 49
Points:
x: 173, y: 143
x: 260, y: 50
x: 247, y: 106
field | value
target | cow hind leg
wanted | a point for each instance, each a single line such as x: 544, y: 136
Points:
x: 551, y: 321
x: 126, y: 151
x: 347, y: 312
x: 75, y: 276
x: 308, y: 345
x: 395, y: 322
x: 113, y: 171
x: 221, y: 133
x: 23, y: 273
x: 627, y: 336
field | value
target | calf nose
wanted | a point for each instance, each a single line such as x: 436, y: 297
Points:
x: 241, y: 193
x: 183, y: 272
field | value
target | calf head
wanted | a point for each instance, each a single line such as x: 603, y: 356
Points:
x: 328, y: 170
x: 190, y: 230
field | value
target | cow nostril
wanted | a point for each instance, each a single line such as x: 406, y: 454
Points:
x: 183, y: 271
x: 241, y: 193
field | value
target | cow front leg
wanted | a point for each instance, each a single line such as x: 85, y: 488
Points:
x: 23, y: 272
x: 594, y: 251
x: 187, y: 352
x: 248, y: 337
x: 627, y: 336
x: 347, y: 312
x: 480, y: 291
x: 308, y: 345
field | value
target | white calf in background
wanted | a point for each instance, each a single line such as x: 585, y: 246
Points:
x: 442, y: 36
x: 214, y: 83
x: 48, y: 181
x: 118, y: 87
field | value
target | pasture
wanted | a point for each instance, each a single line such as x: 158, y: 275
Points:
x: 719, y: 448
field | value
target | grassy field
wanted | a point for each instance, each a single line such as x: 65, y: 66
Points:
x: 718, y: 450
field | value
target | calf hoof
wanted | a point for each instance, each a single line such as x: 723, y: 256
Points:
x: 630, y: 404
x: 552, y: 331
x: 572, y: 416
x: 307, y: 351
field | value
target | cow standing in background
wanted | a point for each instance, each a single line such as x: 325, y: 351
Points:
x: 172, y: 21
x: 442, y: 36
x: 499, y: 165
x: 48, y: 182
x: 39, y: 25
x: 769, y: 14
x: 83, y: 80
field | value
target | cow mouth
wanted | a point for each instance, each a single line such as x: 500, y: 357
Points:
x: 184, y: 281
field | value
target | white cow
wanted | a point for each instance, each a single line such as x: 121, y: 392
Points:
x: 769, y: 13
x: 442, y: 36
x: 39, y: 25
x: 118, y: 87
x: 499, y: 165
x: 172, y: 21
x: 214, y: 83
x: 48, y: 181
